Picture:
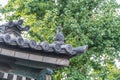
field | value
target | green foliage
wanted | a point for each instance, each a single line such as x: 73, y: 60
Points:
x: 91, y: 22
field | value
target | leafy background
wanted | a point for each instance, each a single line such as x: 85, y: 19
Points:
x: 92, y: 22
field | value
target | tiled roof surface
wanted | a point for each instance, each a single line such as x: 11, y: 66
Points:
x: 11, y: 35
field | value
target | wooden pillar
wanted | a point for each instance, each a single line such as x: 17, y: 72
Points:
x: 45, y: 74
x: 48, y: 77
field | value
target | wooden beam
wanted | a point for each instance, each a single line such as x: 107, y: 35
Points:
x: 34, y: 57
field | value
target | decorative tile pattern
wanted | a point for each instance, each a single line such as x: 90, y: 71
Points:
x: 7, y: 76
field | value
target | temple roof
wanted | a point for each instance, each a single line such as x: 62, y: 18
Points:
x: 10, y: 35
x: 30, y: 58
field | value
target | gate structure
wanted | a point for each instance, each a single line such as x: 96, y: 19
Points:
x: 22, y: 59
